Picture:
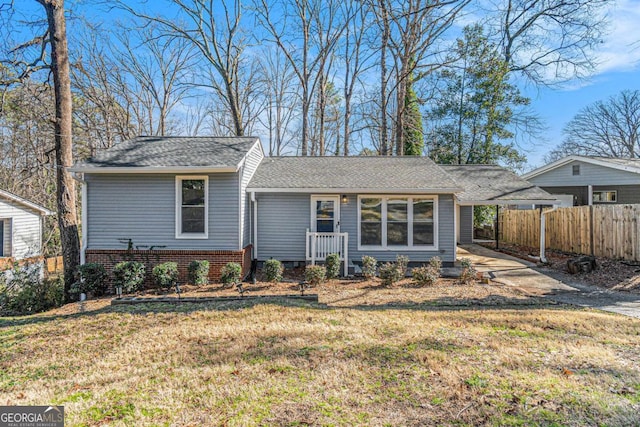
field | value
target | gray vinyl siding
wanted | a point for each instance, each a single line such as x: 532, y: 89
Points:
x: 22, y: 237
x: 252, y: 161
x: 627, y: 194
x: 142, y: 207
x: 466, y: 224
x: 590, y: 174
x: 283, y: 220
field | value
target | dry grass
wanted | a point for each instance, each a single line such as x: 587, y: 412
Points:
x: 294, y: 364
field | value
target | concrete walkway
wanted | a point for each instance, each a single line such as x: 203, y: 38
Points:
x: 548, y: 283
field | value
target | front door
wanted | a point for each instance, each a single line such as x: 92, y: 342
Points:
x: 325, y: 214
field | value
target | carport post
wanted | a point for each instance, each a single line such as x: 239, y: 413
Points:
x: 497, y: 232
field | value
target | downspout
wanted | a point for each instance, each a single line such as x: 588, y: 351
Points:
x: 543, y: 240
x: 83, y: 214
x: 254, y: 202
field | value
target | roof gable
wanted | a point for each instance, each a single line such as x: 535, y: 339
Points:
x: 5, y: 195
x: 491, y: 184
x: 166, y: 154
x: 623, y: 164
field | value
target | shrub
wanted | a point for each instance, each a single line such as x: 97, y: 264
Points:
x: 129, y: 275
x: 92, y: 277
x: 425, y: 275
x: 332, y: 263
x: 402, y: 261
x: 369, y: 266
x: 390, y: 273
x: 468, y: 273
x: 315, y: 274
x: 25, y: 293
x: 436, y: 264
x: 199, y: 272
x: 230, y: 273
x: 165, y: 275
x: 273, y: 270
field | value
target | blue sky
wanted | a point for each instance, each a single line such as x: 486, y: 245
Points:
x: 618, y: 69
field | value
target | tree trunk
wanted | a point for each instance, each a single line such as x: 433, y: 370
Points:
x: 66, y: 187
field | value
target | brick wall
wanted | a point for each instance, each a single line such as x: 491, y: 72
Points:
x: 217, y: 259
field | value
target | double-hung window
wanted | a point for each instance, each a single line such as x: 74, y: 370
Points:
x: 192, y: 207
x: 397, y: 222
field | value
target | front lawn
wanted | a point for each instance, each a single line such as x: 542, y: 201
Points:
x: 286, y: 363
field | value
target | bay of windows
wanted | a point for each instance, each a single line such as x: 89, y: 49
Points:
x: 388, y: 221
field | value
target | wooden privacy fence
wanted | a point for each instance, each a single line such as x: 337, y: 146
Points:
x: 611, y: 231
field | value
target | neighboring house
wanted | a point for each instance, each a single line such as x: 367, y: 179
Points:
x: 20, y: 227
x: 583, y: 180
x: 219, y: 199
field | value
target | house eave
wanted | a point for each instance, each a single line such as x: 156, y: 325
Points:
x: 153, y: 170
x: 558, y: 163
x: 345, y: 190
x: 12, y: 197
x: 509, y: 202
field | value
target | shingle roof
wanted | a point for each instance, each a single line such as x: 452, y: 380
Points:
x: 620, y: 163
x: 494, y: 183
x: 171, y: 152
x: 370, y: 174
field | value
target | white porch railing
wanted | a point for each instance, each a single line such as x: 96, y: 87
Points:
x: 319, y: 245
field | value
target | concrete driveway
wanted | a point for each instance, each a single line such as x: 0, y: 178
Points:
x: 548, y: 283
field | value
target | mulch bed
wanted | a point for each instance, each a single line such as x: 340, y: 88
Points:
x: 611, y: 274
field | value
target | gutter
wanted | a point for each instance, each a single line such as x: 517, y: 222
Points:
x: 83, y: 215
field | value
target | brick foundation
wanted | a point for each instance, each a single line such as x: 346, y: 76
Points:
x: 217, y: 259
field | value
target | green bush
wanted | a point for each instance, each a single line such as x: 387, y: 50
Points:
x: 273, y: 270
x: 369, y: 267
x: 230, y: 273
x: 92, y: 277
x: 402, y: 262
x: 25, y: 293
x: 390, y: 273
x: 129, y: 275
x: 332, y: 264
x: 199, y: 272
x: 436, y: 264
x: 315, y: 274
x: 425, y: 275
x: 165, y: 275
x: 468, y: 273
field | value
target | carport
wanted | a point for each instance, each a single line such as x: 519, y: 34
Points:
x: 490, y: 185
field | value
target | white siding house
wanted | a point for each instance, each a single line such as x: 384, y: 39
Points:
x: 20, y: 227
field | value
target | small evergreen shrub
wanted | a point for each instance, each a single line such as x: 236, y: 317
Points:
x: 468, y: 273
x: 425, y: 275
x: 129, y: 275
x: 315, y: 274
x: 230, y: 273
x: 199, y: 272
x: 25, y: 293
x: 92, y: 277
x: 436, y: 264
x: 390, y: 273
x: 165, y: 275
x: 402, y: 262
x: 273, y: 270
x: 332, y: 264
x: 369, y: 266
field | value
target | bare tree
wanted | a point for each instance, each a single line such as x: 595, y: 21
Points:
x: 306, y: 31
x: 608, y: 128
x: 158, y: 64
x: 549, y: 40
x: 278, y: 80
x: 217, y: 39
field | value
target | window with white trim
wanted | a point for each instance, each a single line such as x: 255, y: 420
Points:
x: 397, y: 222
x: 192, y: 207
x: 605, y: 196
